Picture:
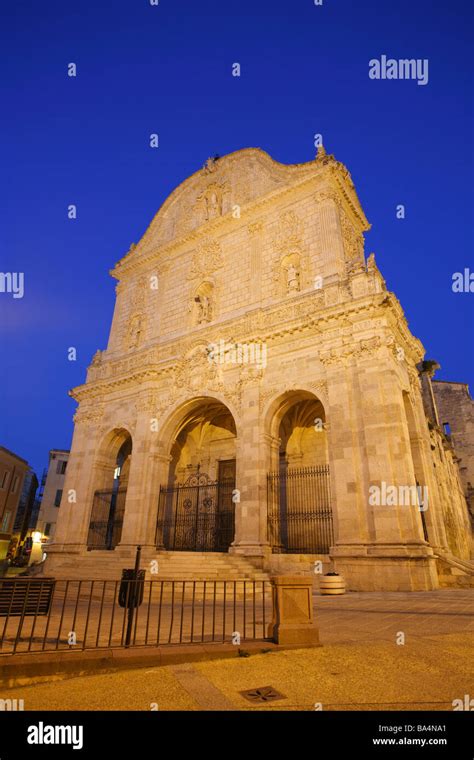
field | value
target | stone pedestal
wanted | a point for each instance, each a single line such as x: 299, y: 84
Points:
x: 292, y: 621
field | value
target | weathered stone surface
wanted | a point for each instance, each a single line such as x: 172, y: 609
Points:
x: 318, y: 368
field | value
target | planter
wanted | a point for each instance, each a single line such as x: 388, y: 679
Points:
x: 332, y: 584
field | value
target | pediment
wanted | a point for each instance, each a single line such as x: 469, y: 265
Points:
x: 217, y: 189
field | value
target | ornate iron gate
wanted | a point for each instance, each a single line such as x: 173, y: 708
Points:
x: 197, y: 515
x: 299, y: 510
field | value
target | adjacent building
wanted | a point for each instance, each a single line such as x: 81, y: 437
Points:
x: 456, y: 417
x: 25, y: 519
x: 13, y: 470
x: 52, y: 492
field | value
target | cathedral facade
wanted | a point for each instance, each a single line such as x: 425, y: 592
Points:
x: 261, y: 395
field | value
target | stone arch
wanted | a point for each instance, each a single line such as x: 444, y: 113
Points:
x: 172, y: 422
x: 281, y: 403
x: 196, y: 510
x: 109, y: 487
x: 299, y: 501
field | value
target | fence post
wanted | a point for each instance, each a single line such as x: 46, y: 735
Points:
x: 292, y: 620
x: 133, y: 596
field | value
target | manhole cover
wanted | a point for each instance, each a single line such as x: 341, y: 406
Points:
x: 262, y: 694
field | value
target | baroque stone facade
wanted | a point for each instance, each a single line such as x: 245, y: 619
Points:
x: 254, y: 348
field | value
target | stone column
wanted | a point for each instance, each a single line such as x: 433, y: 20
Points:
x: 86, y: 472
x: 332, y: 245
x: 251, y: 477
x: 396, y: 557
x: 420, y: 444
x: 255, y: 235
x: 115, y: 331
x: 148, y: 470
x: 346, y: 464
x: 427, y: 369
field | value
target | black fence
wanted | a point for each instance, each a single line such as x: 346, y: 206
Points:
x: 197, y: 515
x: 105, y: 527
x: 299, y: 510
x: 57, y: 615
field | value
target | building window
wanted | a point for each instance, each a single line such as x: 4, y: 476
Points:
x: 47, y: 529
x: 447, y: 428
x: 5, y: 479
x: 57, y: 499
x: 15, y: 484
x: 61, y: 467
x: 6, y: 521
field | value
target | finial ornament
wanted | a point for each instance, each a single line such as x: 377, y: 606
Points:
x: 321, y: 151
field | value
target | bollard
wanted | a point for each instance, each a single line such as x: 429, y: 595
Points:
x: 293, y: 622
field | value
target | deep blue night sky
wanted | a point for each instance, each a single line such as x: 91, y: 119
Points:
x: 167, y: 69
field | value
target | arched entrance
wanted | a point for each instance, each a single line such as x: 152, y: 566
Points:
x: 196, y: 507
x: 111, y: 475
x: 298, y: 487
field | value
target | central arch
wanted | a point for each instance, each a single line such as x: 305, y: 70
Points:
x: 196, y: 507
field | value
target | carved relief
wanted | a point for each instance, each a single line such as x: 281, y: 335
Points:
x: 138, y: 296
x: 206, y: 259
x: 89, y: 415
x: 290, y: 232
x: 196, y: 373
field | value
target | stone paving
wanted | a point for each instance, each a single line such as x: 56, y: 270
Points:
x: 366, y: 616
x: 360, y: 666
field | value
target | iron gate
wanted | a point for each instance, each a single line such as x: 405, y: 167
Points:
x: 299, y: 510
x: 197, y: 515
x: 105, y: 527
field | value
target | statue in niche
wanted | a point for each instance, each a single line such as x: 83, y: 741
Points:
x: 292, y: 279
x: 135, y: 332
x: 212, y: 206
x: 203, y: 309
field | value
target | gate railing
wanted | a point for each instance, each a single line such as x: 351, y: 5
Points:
x: 105, y: 526
x: 299, y: 510
x: 59, y: 615
x: 197, y: 515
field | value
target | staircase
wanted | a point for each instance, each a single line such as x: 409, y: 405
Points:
x: 454, y: 572
x: 178, y: 566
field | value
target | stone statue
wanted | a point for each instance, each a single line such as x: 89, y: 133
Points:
x: 371, y: 265
x: 204, y: 309
x: 135, y: 332
x: 212, y: 204
x: 292, y: 279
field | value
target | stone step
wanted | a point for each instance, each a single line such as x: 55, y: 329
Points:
x: 180, y: 566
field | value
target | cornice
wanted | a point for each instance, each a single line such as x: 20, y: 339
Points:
x: 264, y: 326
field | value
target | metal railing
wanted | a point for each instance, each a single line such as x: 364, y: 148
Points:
x: 197, y: 515
x: 299, y: 510
x: 105, y: 527
x: 69, y: 615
